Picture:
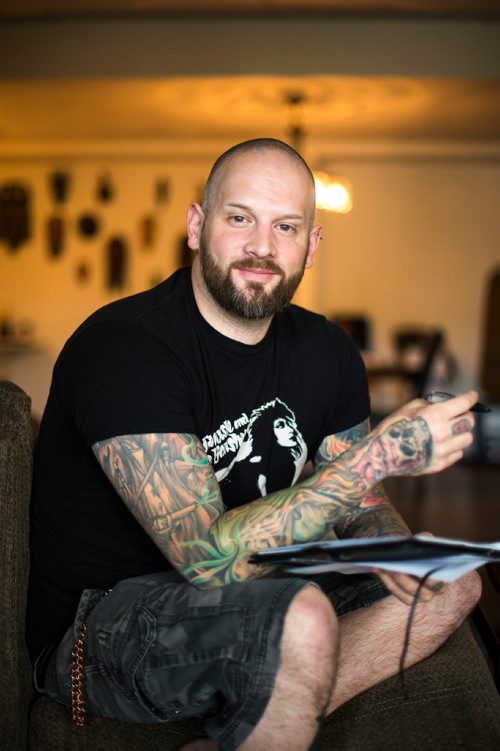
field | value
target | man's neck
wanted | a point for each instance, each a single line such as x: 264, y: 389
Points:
x: 244, y: 330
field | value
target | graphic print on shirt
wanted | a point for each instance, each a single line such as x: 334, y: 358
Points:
x: 247, y: 439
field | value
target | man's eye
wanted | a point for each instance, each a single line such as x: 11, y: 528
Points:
x: 286, y: 227
x: 237, y: 219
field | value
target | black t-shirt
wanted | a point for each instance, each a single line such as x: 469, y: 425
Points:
x: 151, y: 364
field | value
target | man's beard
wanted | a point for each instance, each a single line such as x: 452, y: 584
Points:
x: 254, y: 302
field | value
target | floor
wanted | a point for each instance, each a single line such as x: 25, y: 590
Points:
x: 462, y: 502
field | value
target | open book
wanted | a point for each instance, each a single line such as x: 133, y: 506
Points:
x: 418, y: 555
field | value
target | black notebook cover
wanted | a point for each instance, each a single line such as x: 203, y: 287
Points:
x: 373, y: 549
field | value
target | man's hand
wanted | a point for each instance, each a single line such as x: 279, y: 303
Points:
x: 405, y: 587
x: 421, y: 438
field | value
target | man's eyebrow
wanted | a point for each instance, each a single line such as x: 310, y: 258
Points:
x: 244, y: 207
x: 231, y: 205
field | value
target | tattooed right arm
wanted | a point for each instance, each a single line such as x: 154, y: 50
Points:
x: 169, y: 485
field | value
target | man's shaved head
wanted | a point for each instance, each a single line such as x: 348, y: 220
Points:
x: 255, y: 145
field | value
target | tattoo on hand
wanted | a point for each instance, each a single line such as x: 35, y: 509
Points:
x: 460, y: 427
x: 407, y: 446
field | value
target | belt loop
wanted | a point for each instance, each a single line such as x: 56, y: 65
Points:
x: 40, y: 667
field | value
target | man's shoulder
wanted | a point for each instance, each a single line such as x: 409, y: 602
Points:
x: 136, y: 325
x: 142, y: 304
x: 138, y: 311
x: 303, y: 322
x: 318, y: 343
x: 295, y: 315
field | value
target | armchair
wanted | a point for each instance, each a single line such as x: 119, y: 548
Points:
x: 451, y: 701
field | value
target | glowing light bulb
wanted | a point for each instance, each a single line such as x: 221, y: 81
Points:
x: 332, y: 193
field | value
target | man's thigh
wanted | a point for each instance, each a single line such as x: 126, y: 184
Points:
x: 157, y: 649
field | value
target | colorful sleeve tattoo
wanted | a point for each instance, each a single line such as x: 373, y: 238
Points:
x: 374, y: 515
x: 169, y: 485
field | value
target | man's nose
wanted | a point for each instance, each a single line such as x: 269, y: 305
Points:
x: 261, y: 242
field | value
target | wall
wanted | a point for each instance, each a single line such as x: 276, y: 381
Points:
x: 417, y: 248
x: 421, y: 238
x: 45, y: 290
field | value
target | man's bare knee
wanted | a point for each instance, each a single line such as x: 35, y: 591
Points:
x: 310, y: 638
x: 311, y: 620
x: 305, y: 677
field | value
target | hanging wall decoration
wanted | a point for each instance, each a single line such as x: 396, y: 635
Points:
x: 82, y: 272
x: 116, y: 263
x: 59, y: 183
x: 147, y: 231
x: 14, y: 215
x: 55, y: 235
x: 105, y: 190
x: 88, y: 225
x: 162, y: 190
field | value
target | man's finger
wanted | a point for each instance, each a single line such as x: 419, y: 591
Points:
x: 405, y: 587
x: 403, y: 581
x: 391, y: 585
x: 461, y: 425
x: 456, y: 406
x: 435, y: 586
x: 400, y: 584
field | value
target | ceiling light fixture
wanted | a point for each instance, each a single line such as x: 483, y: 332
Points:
x: 333, y: 193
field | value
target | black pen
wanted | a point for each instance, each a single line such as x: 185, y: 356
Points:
x: 442, y: 396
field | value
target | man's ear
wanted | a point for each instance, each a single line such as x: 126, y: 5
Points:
x: 314, y: 240
x: 195, y: 219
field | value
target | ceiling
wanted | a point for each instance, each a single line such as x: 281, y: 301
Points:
x: 53, y: 8
x: 238, y: 107
x: 335, y: 107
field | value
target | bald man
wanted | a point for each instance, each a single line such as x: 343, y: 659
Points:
x: 172, y: 446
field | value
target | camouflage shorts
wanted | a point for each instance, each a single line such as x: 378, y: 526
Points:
x: 159, y: 650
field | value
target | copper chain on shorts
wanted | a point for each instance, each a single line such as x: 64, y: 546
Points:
x: 78, y: 708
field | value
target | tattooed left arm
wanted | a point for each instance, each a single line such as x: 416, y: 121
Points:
x: 373, y: 515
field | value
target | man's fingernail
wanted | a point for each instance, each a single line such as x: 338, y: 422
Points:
x: 437, y: 586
